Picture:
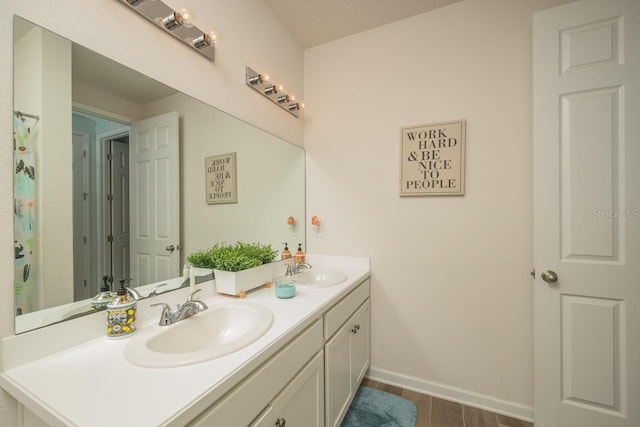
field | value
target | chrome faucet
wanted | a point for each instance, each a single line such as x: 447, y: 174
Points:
x: 188, y: 309
x: 292, y: 270
x: 134, y: 293
x: 154, y: 292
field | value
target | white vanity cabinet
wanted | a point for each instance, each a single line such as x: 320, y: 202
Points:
x: 301, y: 403
x: 302, y: 385
x: 303, y: 372
x: 347, y: 352
x: 270, y: 392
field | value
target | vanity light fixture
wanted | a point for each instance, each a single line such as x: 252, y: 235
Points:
x: 270, y: 90
x: 183, y: 16
x: 262, y: 84
x: 179, y: 23
x: 206, y: 39
x: 258, y: 78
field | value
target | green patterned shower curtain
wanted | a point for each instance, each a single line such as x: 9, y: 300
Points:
x: 24, y: 209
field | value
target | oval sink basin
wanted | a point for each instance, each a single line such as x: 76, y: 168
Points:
x: 320, y: 277
x: 221, y: 329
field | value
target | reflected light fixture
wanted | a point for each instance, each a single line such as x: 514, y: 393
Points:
x: 262, y: 84
x: 179, y: 23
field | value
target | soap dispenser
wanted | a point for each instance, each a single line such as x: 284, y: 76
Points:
x: 105, y: 296
x: 286, y: 253
x: 299, y: 257
x: 121, y: 314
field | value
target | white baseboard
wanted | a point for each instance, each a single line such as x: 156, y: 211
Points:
x: 469, y: 398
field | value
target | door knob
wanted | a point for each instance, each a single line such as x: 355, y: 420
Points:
x: 549, y: 276
x: 170, y: 248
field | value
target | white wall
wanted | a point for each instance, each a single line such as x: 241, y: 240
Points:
x: 252, y: 37
x: 451, y: 292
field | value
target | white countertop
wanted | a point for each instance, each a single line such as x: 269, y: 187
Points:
x: 92, y: 384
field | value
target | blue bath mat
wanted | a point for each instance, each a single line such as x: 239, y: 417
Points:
x: 374, y: 408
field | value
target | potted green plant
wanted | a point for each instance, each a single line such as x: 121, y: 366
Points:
x: 238, y: 267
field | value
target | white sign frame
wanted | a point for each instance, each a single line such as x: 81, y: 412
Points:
x: 221, y: 179
x: 432, y: 159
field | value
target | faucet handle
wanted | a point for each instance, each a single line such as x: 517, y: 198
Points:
x: 190, y: 299
x: 290, y: 271
x: 165, y: 317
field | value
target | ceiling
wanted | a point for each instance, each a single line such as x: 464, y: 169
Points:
x: 314, y: 22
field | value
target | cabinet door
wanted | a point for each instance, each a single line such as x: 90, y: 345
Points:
x: 338, y: 375
x: 360, y: 345
x: 301, y: 403
x: 347, y: 356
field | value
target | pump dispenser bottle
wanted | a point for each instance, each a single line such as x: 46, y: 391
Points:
x: 121, y: 314
x: 105, y: 296
x: 299, y: 257
x: 286, y: 253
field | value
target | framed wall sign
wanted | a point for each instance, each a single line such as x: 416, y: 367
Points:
x: 220, y: 179
x: 433, y: 159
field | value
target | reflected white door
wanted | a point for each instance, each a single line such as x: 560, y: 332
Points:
x: 586, y: 89
x: 81, y: 216
x: 155, y: 217
x: 120, y: 215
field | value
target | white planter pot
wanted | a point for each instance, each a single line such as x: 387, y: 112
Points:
x: 239, y: 282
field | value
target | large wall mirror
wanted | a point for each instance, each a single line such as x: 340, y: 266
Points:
x: 95, y: 180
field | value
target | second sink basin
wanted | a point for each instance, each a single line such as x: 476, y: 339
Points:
x: 220, y: 330
x: 320, y: 277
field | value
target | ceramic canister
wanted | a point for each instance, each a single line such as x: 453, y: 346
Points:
x: 121, y: 316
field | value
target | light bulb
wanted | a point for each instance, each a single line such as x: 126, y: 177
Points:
x: 214, y: 36
x: 188, y: 16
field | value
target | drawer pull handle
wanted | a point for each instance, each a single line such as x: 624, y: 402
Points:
x: 281, y: 422
x: 355, y: 329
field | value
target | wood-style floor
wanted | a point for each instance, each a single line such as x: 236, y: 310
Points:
x: 434, y: 412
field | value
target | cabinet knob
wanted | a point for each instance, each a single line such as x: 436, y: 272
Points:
x: 281, y: 422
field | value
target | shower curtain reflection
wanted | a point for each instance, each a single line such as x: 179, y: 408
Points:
x: 24, y: 209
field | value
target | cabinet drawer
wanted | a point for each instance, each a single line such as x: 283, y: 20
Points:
x: 339, y: 313
x: 243, y: 404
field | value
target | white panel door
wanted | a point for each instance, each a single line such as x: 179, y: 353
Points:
x: 586, y: 91
x: 155, y: 200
